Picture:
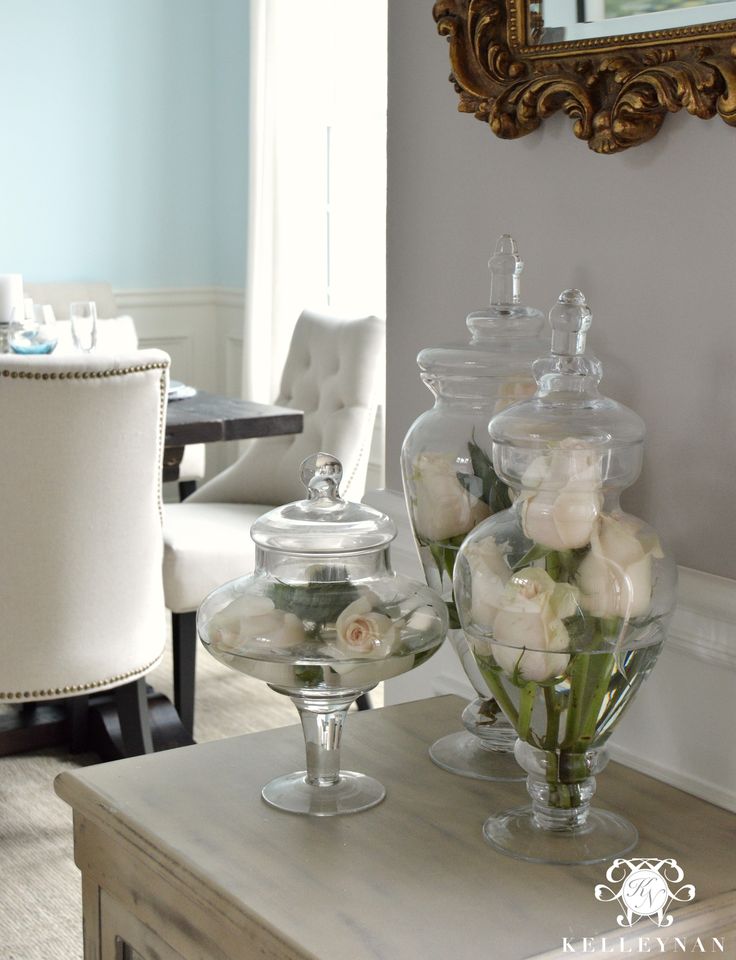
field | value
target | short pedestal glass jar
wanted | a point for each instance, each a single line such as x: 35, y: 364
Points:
x: 450, y: 484
x: 322, y: 619
x: 564, y: 598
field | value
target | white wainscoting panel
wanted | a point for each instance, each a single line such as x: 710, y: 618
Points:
x: 194, y: 326
x: 680, y: 727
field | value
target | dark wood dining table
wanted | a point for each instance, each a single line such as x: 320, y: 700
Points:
x: 209, y: 417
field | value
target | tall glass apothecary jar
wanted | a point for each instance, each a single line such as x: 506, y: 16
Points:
x: 450, y: 484
x: 564, y: 597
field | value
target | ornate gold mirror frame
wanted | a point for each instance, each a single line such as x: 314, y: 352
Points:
x: 617, y: 89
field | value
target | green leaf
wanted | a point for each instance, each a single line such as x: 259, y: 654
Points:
x: 537, y: 552
x: 454, y: 618
x: 500, y: 498
x: 308, y: 676
x: 495, y: 491
x: 316, y: 602
x: 471, y: 483
x: 554, y: 566
x: 482, y: 468
x: 444, y: 553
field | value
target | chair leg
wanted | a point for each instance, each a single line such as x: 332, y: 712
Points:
x: 135, y: 723
x: 184, y: 641
x: 186, y: 488
x: 363, y: 702
x: 78, y: 712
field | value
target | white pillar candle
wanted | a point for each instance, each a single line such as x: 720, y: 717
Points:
x: 11, y: 296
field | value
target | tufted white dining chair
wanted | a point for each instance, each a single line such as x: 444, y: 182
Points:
x: 332, y: 373
x: 116, y: 333
x: 80, y: 510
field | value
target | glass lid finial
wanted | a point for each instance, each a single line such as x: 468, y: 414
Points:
x: 505, y: 316
x: 568, y: 407
x: 321, y: 474
x: 570, y: 319
x: 324, y: 522
x: 505, y: 265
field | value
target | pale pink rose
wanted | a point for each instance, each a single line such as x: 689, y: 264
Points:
x: 362, y: 632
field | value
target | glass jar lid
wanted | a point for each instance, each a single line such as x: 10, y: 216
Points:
x: 324, y: 523
x: 505, y: 337
x: 568, y: 414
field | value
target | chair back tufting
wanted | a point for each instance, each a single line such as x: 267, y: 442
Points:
x: 332, y: 374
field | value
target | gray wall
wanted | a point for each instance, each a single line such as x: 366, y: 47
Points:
x: 649, y: 235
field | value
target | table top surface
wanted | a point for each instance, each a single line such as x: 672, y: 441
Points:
x: 409, y: 878
x: 208, y: 417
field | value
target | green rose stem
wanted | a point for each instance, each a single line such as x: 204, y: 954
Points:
x: 526, y: 705
x: 576, y: 703
x: 499, y: 694
x: 554, y: 705
x: 600, y: 675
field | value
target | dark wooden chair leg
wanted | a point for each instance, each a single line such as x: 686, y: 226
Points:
x: 78, y: 713
x: 186, y: 488
x: 135, y: 723
x: 184, y: 640
x: 363, y: 702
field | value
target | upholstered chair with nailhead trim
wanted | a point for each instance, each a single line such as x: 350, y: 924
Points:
x: 333, y: 374
x: 81, y: 589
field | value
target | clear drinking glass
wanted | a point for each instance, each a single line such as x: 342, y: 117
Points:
x: 83, y: 317
x: 322, y: 619
x: 564, y: 597
x: 35, y: 332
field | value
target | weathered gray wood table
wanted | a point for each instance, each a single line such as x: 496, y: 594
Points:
x: 181, y: 858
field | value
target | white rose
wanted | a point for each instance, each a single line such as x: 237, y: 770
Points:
x: 489, y: 574
x: 443, y: 508
x: 423, y: 619
x: 561, y: 496
x: 528, y: 631
x: 366, y: 674
x: 615, y: 578
x: 253, y: 624
x: 361, y: 632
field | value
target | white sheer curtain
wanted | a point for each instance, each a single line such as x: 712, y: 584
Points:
x: 316, y: 232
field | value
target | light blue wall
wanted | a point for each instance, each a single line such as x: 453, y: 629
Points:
x: 231, y: 157
x: 123, y: 155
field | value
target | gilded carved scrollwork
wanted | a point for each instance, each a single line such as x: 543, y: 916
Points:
x: 617, y: 90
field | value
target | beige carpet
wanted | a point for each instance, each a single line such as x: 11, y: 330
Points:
x: 40, y: 894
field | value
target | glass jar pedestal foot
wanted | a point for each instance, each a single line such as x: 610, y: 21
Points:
x: 323, y: 790
x: 484, y: 750
x: 560, y: 826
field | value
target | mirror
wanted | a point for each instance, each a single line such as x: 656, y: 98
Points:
x: 616, y: 67
x: 590, y: 19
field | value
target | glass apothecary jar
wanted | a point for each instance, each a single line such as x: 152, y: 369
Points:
x: 450, y: 484
x: 564, y: 598
x: 322, y: 619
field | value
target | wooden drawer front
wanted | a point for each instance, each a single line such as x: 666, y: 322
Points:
x: 125, y: 938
